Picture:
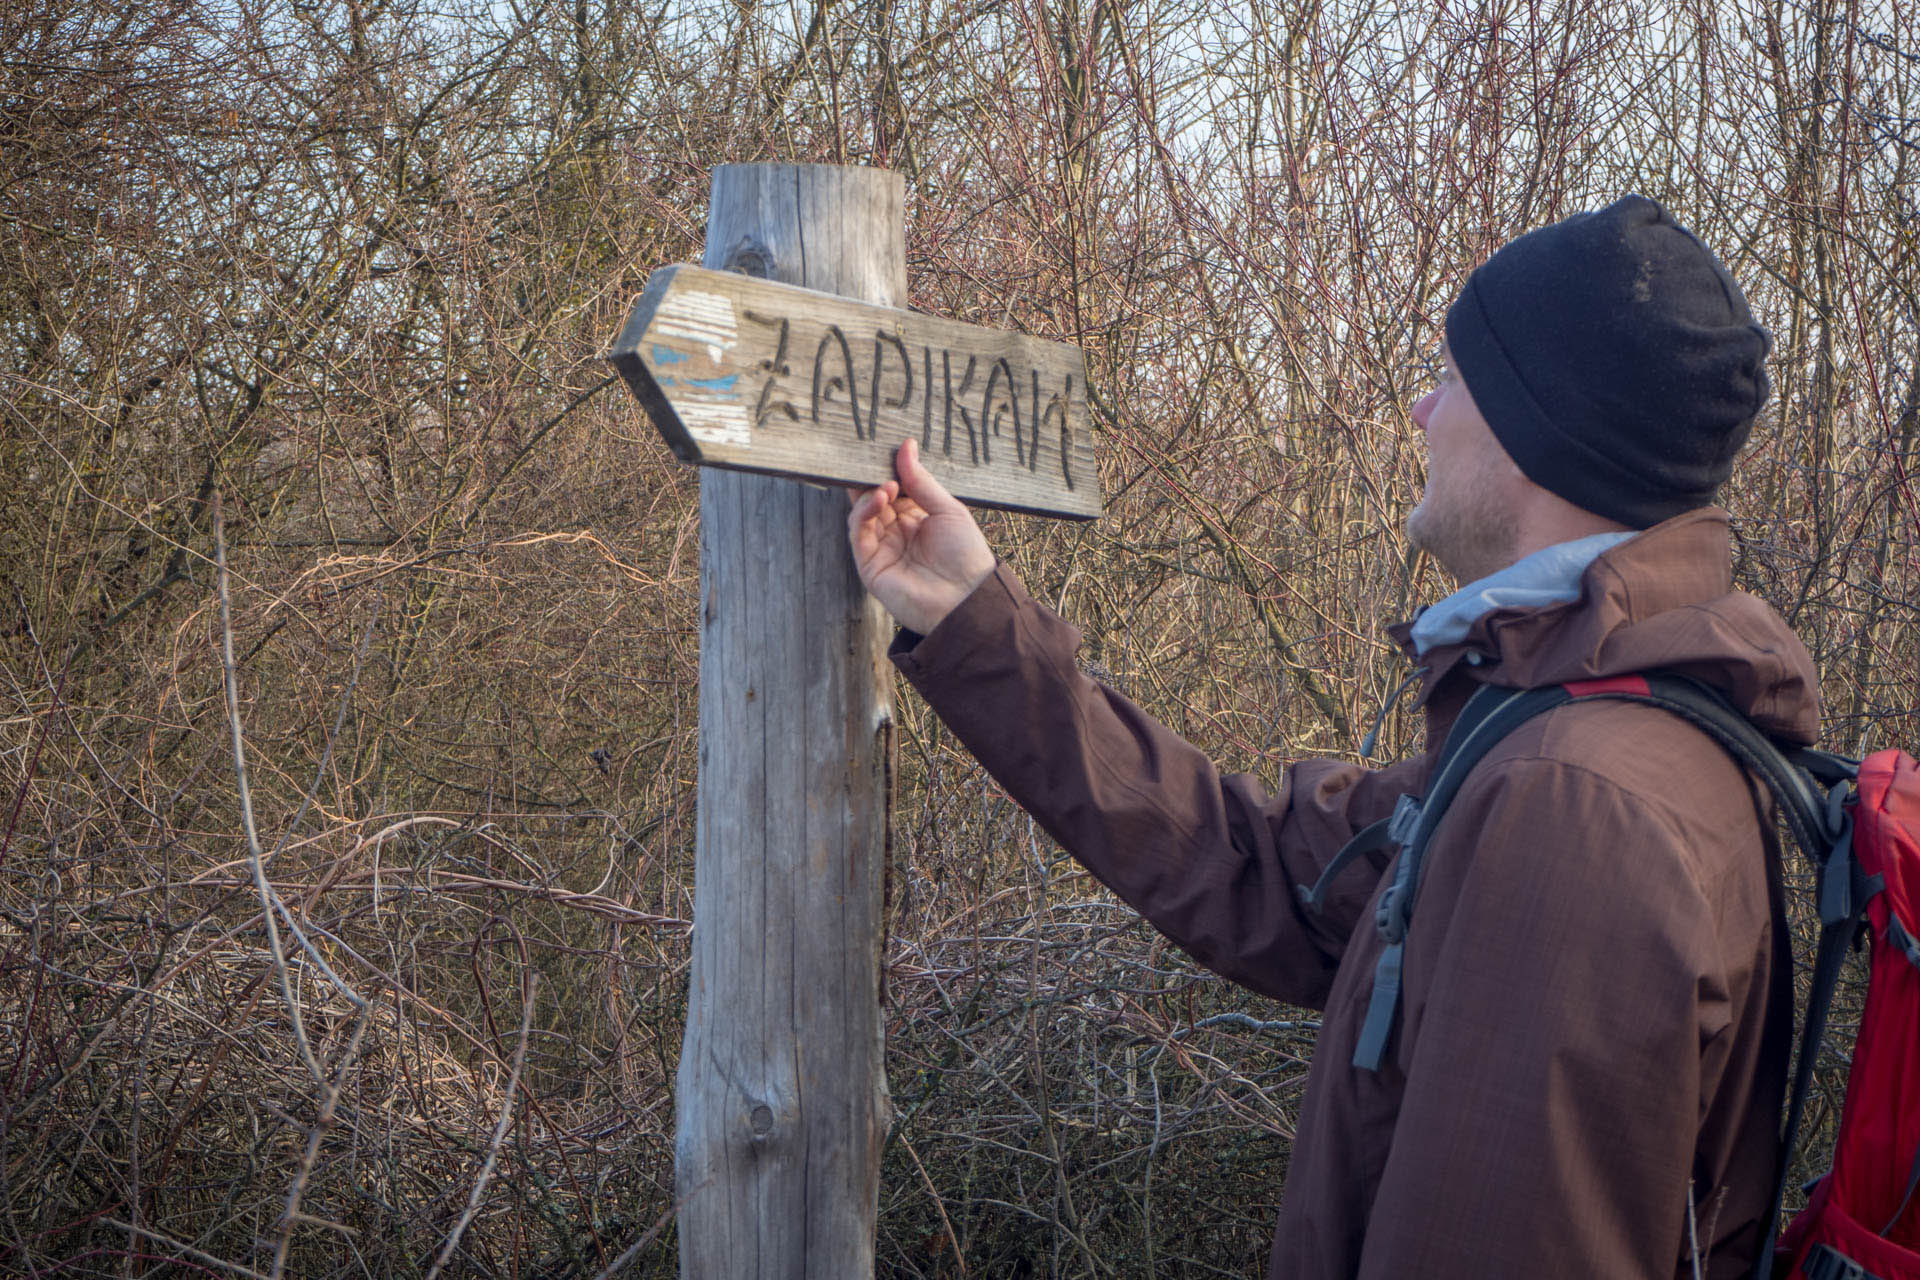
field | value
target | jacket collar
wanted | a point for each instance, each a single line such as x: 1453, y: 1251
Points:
x: 1663, y: 599
x: 1551, y: 575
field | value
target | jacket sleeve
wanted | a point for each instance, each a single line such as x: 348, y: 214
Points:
x: 1211, y: 860
x: 1562, y: 994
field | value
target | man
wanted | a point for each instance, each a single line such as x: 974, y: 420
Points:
x: 1586, y: 1070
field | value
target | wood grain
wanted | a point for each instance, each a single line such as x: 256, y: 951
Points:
x: 755, y: 375
x: 781, y: 1095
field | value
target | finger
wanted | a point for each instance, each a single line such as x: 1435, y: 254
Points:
x: 866, y: 512
x: 868, y: 537
x: 918, y: 483
x: 867, y: 502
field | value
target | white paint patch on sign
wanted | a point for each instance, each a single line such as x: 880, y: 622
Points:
x: 717, y: 422
x: 697, y: 316
x: 709, y: 406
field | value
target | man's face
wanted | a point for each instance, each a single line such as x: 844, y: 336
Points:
x: 1468, y: 518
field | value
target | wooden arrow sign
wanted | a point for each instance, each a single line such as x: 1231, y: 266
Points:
x: 743, y: 373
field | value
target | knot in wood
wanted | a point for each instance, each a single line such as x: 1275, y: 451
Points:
x: 749, y: 257
x: 761, y: 1119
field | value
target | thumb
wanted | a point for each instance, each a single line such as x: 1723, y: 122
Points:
x: 918, y: 483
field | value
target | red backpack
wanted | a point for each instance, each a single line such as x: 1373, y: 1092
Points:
x: 1858, y: 823
x: 1862, y: 1219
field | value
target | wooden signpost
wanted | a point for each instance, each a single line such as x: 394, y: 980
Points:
x: 748, y: 374
x: 781, y: 1095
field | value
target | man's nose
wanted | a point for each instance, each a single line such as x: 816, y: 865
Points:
x: 1423, y: 408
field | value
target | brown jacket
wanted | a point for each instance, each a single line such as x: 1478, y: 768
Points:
x: 1596, y: 1005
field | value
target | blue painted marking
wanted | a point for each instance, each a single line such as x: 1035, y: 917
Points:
x: 715, y: 384
x: 667, y: 355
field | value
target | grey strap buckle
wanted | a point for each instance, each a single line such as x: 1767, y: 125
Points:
x: 1406, y: 814
x: 1902, y: 940
x: 1396, y: 904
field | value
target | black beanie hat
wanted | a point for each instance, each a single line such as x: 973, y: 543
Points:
x: 1615, y: 359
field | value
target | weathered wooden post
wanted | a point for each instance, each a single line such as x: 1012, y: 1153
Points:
x: 781, y: 1092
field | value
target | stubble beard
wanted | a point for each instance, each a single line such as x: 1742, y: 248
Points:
x: 1467, y: 527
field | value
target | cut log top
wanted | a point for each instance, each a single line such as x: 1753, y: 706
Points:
x: 747, y: 374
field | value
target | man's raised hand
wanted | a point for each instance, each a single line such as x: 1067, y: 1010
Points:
x: 918, y: 550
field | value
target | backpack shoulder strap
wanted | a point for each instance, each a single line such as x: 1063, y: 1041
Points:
x: 1399, y: 827
x: 1804, y: 802
x: 1490, y: 715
